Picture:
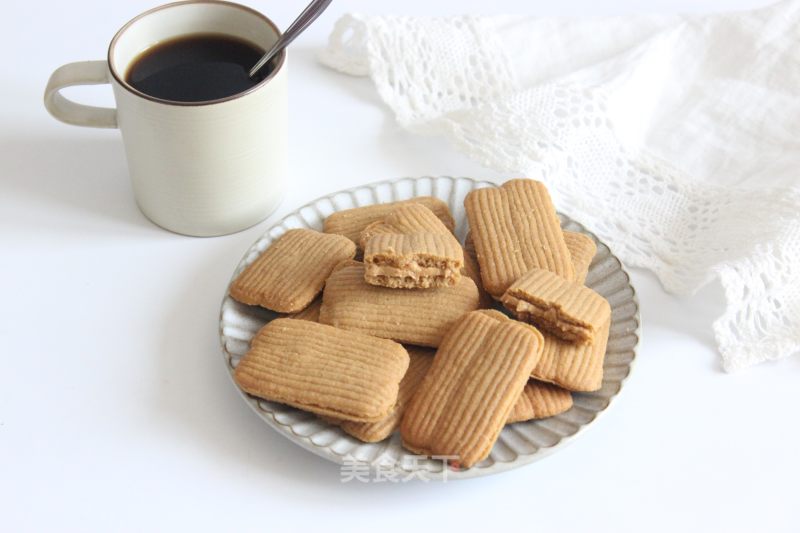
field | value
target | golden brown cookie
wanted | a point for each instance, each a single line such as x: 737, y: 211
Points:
x: 351, y: 222
x: 477, y: 376
x: 515, y: 228
x: 289, y: 274
x: 411, y: 248
x: 581, y: 250
x: 576, y: 367
x: 323, y: 369
x: 562, y: 308
x: 421, y: 359
x: 540, y: 400
x: 413, y: 260
x: 406, y: 218
x: 420, y: 317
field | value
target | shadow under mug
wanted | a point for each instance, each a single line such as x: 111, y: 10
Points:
x: 197, y: 168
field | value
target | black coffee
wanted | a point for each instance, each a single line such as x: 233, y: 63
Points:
x: 197, y: 68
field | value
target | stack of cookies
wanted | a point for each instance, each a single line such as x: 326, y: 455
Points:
x: 389, y: 322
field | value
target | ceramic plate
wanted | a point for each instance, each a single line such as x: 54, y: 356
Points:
x: 520, y: 443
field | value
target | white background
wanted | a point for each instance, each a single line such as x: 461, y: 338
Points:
x: 115, y: 410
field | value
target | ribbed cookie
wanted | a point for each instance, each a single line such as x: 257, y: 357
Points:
x: 413, y: 260
x: 323, y: 369
x: 420, y: 362
x: 563, y: 308
x: 582, y: 249
x: 472, y: 269
x: 576, y: 367
x: 476, y: 378
x: 351, y: 222
x: 408, y: 316
x: 515, y: 228
x: 406, y: 218
x: 292, y: 271
x: 540, y: 400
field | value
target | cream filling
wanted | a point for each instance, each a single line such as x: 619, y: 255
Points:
x: 549, y: 317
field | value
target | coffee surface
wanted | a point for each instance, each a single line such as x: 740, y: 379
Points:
x: 197, y: 68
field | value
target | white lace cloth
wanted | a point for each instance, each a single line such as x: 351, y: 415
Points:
x: 675, y: 139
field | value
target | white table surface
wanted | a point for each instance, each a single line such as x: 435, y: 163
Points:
x: 116, y: 413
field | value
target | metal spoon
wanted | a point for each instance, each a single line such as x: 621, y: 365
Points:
x: 309, y: 15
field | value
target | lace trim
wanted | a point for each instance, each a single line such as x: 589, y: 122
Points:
x: 459, y: 83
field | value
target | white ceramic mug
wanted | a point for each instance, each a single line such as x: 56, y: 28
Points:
x: 199, y: 168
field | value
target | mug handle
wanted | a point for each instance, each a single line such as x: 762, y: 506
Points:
x: 64, y: 109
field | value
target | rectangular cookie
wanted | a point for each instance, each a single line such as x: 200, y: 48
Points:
x: 406, y: 218
x: 413, y: 260
x: 540, y: 400
x: 515, y: 228
x: 351, y: 222
x: 407, y: 316
x: 576, y: 367
x: 476, y: 378
x: 420, y: 362
x: 582, y: 250
x: 289, y: 274
x: 411, y: 248
x: 562, y: 308
x: 323, y: 369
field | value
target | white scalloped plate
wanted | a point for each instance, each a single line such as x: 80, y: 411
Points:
x: 520, y: 443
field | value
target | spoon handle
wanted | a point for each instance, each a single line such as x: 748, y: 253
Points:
x: 309, y: 15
